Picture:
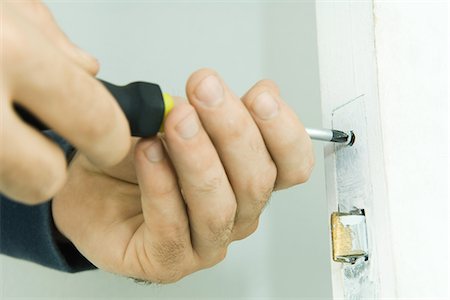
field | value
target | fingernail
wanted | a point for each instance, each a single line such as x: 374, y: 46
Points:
x: 209, y: 91
x: 188, y: 127
x: 154, y: 152
x: 265, y: 106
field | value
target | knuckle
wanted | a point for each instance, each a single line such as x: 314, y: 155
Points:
x: 260, y: 187
x: 169, y: 257
x: 221, y: 228
x: 174, y: 233
x: 237, y: 125
x: 221, y: 255
x: 252, y: 228
x: 46, y: 193
x: 218, y: 257
x: 85, y: 60
x: 42, y: 194
x: 297, y: 176
x: 210, y: 183
x: 291, y: 175
x: 166, y: 190
x: 234, y: 129
x: 54, y: 178
x: 24, y: 182
x: 243, y: 232
x: 93, y: 67
x: 304, y: 173
x: 257, y: 146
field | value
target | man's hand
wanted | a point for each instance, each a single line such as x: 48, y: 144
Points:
x: 49, y: 76
x: 194, y: 191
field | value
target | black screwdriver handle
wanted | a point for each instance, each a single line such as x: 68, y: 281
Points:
x: 143, y: 105
x: 141, y: 102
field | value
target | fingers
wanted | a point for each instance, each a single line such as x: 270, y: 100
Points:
x: 167, y: 227
x: 40, y: 17
x: 61, y: 94
x: 53, y: 85
x: 32, y: 167
x: 261, y: 142
x: 209, y: 198
x: 67, y: 99
x: 47, y: 75
x: 284, y: 135
x: 238, y: 141
x: 74, y: 53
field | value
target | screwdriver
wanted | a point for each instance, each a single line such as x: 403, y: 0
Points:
x: 146, y: 106
x: 331, y: 135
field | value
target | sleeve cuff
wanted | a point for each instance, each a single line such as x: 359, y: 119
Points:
x: 29, y: 232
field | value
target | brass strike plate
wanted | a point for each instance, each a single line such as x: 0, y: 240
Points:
x: 349, y: 236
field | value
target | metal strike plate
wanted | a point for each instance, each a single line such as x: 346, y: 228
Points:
x: 349, y: 236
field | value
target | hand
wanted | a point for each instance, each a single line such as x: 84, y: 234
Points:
x: 49, y: 76
x: 201, y: 186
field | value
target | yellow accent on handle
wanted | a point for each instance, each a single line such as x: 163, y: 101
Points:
x: 168, y: 105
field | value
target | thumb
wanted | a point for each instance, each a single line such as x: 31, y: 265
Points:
x: 162, y: 203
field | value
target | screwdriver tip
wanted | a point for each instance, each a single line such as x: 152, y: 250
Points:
x: 352, y: 138
x: 343, y: 137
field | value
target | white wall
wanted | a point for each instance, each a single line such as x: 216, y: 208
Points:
x: 164, y: 42
x: 392, y: 56
x: 413, y: 78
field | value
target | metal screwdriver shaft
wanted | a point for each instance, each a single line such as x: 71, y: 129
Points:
x: 331, y: 135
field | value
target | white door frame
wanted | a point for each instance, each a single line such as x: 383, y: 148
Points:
x: 374, y: 78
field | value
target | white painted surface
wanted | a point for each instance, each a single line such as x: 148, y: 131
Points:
x: 164, y: 42
x: 352, y: 167
x: 348, y: 72
x: 395, y: 53
x: 412, y: 53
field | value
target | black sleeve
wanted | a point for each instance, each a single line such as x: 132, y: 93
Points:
x: 28, y: 232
